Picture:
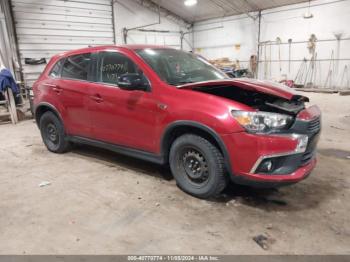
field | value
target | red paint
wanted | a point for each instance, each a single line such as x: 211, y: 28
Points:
x: 138, y: 119
x: 309, y: 113
x: 270, y: 88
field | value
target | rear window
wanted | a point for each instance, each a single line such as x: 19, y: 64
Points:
x: 56, y: 70
x: 77, y: 67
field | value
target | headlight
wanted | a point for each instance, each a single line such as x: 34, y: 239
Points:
x: 261, y: 122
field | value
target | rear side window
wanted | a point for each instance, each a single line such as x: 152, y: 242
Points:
x: 77, y: 67
x: 56, y: 70
x: 113, y: 65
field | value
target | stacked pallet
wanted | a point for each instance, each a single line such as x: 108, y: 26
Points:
x: 8, y: 111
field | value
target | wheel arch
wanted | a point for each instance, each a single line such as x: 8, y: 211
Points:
x: 42, y: 108
x: 178, y: 128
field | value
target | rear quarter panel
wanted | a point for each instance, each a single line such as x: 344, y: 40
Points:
x: 44, y: 95
x: 42, y: 92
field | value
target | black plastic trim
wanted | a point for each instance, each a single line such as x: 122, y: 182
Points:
x: 264, y: 184
x: 63, y: 59
x: 147, y: 156
x: 45, y: 104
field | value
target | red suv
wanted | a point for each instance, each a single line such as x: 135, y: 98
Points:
x: 171, y: 107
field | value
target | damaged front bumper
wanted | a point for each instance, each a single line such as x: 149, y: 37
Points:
x: 276, y: 159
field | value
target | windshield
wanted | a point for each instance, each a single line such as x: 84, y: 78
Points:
x: 177, y: 67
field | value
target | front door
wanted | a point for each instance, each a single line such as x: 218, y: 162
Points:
x: 122, y: 117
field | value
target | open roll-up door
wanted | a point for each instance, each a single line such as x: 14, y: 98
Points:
x: 47, y: 27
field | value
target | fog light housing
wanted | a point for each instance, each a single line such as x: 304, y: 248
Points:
x: 266, y: 166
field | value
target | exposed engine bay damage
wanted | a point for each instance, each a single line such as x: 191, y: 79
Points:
x: 258, y: 100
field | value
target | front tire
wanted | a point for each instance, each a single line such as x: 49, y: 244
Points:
x: 197, y: 166
x: 52, y: 133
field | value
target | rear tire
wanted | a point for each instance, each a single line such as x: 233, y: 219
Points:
x: 52, y: 133
x: 197, y: 166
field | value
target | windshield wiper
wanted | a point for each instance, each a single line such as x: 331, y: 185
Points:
x: 177, y: 83
x: 185, y: 82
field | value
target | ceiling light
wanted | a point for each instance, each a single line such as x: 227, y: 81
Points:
x: 308, y: 13
x: 190, y: 2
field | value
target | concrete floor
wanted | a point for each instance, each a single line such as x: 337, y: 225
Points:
x: 103, y: 203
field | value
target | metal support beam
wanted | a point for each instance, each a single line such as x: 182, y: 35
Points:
x: 113, y: 22
x: 182, y: 37
x: 258, y: 51
x: 160, y: 11
x: 306, y: 41
x: 125, y: 35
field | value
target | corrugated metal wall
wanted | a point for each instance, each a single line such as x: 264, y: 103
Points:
x: 4, y: 59
x: 8, y: 48
x: 48, y: 27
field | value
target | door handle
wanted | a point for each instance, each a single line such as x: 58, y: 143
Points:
x: 49, y: 85
x: 97, y: 98
x: 57, y: 89
x: 54, y: 87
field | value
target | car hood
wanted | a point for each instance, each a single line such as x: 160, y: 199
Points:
x: 261, y: 86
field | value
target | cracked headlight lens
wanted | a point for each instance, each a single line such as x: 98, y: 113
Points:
x: 261, y: 122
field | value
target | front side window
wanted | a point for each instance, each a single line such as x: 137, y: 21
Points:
x: 56, y: 70
x: 77, y: 67
x: 113, y: 65
x: 177, y: 67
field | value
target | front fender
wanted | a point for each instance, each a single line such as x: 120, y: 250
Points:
x: 167, y: 134
x: 221, y: 122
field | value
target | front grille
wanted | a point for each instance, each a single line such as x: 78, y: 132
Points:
x: 314, y: 125
x: 313, y: 128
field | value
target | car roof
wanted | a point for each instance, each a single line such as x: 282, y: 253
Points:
x: 106, y: 47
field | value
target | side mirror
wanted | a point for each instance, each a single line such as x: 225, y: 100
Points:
x: 132, y: 81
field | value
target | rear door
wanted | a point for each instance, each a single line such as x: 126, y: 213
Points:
x: 122, y: 117
x: 73, y: 89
